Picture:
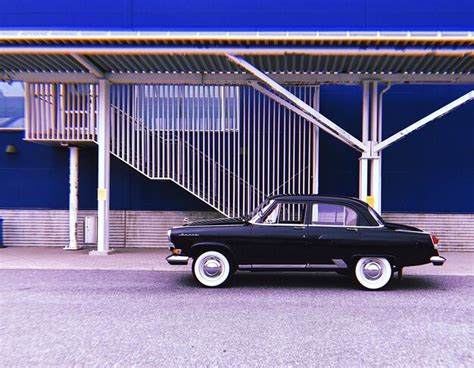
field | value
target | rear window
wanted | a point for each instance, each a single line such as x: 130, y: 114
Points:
x: 375, y: 215
x: 333, y: 214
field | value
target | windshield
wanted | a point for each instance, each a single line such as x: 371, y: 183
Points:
x: 262, y: 208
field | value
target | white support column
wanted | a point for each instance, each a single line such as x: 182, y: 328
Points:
x: 315, y: 139
x: 375, y: 163
x: 103, y: 190
x: 363, y: 161
x: 73, y: 197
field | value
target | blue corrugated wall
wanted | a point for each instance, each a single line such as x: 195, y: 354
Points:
x: 430, y: 171
x: 240, y: 15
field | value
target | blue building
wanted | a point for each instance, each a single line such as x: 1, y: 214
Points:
x: 144, y: 113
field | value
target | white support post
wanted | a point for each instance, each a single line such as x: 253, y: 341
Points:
x: 103, y: 141
x: 375, y: 163
x: 73, y: 197
x: 363, y: 161
x: 315, y: 139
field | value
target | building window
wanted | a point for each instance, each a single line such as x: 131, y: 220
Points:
x: 12, y: 109
x: 183, y: 107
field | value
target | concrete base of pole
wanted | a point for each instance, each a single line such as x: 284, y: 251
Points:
x: 101, y: 253
x: 77, y: 247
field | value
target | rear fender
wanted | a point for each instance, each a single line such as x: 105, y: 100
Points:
x: 394, y: 261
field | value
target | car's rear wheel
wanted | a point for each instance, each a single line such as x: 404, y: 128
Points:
x: 373, y: 273
x: 212, y: 269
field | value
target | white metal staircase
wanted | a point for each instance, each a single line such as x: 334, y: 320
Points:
x: 229, y: 146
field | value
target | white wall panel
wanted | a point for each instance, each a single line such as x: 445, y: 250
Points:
x: 148, y: 228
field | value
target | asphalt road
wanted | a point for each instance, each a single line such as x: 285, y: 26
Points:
x: 146, y: 318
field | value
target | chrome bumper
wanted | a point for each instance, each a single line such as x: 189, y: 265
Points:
x: 177, y: 260
x: 437, y: 260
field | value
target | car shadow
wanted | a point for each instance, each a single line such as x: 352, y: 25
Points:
x: 292, y: 280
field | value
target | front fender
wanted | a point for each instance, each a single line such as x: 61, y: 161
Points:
x: 201, y: 247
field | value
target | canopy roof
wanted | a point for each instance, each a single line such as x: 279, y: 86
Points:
x: 299, y: 57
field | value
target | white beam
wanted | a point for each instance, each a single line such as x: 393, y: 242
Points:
x: 73, y: 197
x: 322, y: 121
x: 375, y: 161
x: 239, y: 79
x: 387, y: 36
x: 295, y: 36
x: 422, y: 122
x: 222, y: 51
x: 315, y: 141
x: 103, y: 190
x: 363, y: 161
x: 89, y: 65
x: 51, y: 77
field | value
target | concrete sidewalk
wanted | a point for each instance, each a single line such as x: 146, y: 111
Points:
x: 153, y: 259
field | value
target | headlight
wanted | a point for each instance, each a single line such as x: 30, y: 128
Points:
x: 169, y: 235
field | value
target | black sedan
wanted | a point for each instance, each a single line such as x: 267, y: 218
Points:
x: 303, y: 233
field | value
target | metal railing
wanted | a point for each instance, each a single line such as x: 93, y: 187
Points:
x: 229, y: 146
x: 61, y: 112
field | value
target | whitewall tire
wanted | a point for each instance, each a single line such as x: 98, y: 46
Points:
x: 373, y: 273
x: 211, y: 269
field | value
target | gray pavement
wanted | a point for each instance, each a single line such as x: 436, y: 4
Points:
x: 153, y: 259
x: 153, y: 318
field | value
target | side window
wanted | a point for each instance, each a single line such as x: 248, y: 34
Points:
x: 333, y: 214
x: 286, y: 213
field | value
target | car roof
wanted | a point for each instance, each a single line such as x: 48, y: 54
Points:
x: 316, y: 197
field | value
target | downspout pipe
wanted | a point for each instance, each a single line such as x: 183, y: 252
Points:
x: 379, y: 136
x: 379, y: 118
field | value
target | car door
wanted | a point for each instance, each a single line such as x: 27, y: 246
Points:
x: 279, y: 238
x: 333, y: 234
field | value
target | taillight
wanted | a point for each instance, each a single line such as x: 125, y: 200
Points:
x: 434, y: 240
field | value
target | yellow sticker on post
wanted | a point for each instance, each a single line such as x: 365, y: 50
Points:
x: 101, y: 194
x: 370, y: 201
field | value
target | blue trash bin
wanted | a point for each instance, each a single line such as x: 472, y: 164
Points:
x: 1, y: 234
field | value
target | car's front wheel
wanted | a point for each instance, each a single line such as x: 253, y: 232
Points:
x: 373, y: 272
x: 212, y: 269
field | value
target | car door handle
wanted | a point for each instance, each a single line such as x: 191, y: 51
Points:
x: 352, y: 229
x: 299, y: 227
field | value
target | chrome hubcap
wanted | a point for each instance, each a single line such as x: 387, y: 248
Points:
x: 372, y: 270
x: 211, y: 267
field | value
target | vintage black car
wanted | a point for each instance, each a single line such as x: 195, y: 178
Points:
x: 303, y: 233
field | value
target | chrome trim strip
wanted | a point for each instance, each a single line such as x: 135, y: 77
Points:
x: 412, y: 231
x: 340, y: 263
x: 352, y: 227
x: 270, y: 266
x: 245, y: 267
x: 323, y: 266
x: 292, y: 225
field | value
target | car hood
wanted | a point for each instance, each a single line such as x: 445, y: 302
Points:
x: 218, y: 221
x: 394, y: 226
